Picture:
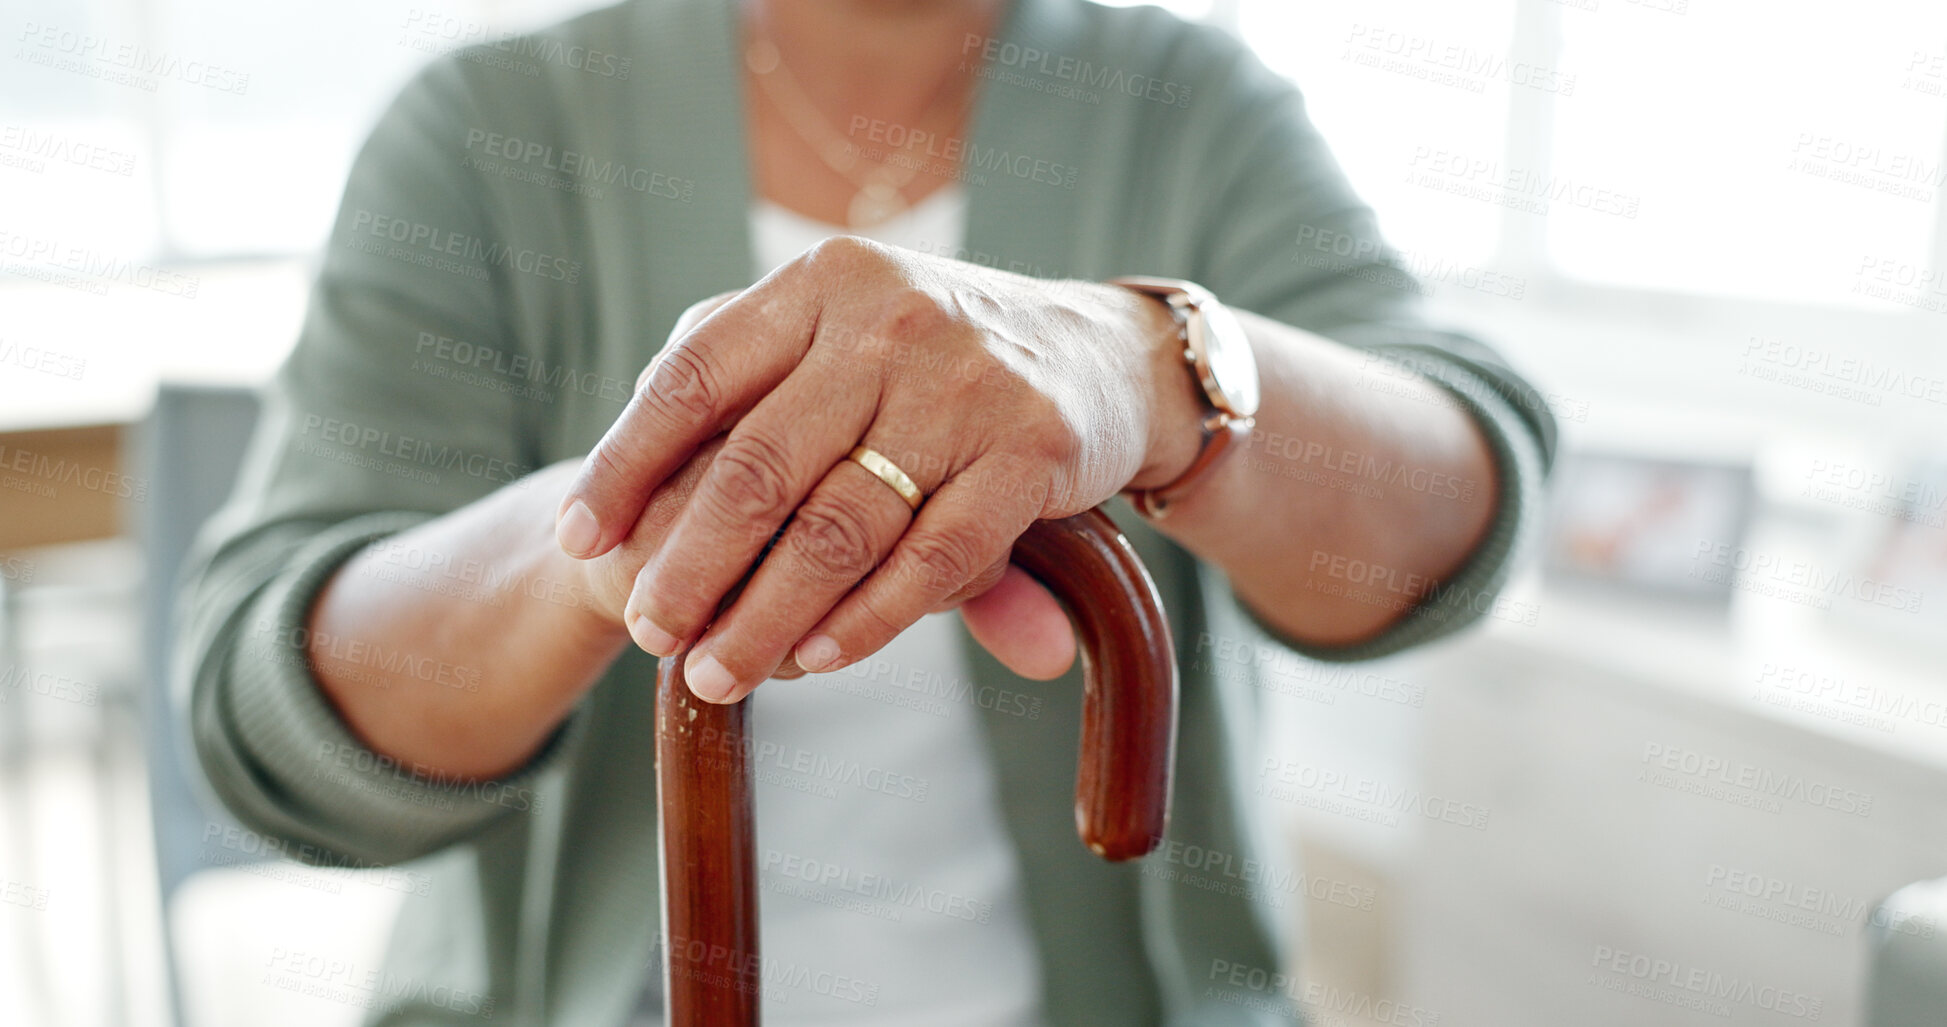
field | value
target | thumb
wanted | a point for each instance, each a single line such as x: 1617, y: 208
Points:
x: 1020, y: 622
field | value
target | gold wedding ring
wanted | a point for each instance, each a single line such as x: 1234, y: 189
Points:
x: 888, y: 472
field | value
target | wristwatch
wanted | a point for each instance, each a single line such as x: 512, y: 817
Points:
x: 1219, y: 354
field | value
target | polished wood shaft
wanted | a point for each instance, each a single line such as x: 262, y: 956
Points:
x: 712, y: 976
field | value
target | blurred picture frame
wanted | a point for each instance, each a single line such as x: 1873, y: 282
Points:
x: 1896, y: 584
x: 1633, y: 524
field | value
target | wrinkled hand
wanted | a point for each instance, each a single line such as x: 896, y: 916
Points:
x: 1006, y: 399
x: 1017, y: 620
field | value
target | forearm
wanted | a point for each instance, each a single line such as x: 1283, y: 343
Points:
x: 459, y: 647
x: 1357, y: 492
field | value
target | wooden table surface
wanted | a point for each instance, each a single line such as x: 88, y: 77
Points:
x: 78, y: 371
x: 64, y: 484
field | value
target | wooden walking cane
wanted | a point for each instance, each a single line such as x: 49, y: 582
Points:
x: 711, y: 975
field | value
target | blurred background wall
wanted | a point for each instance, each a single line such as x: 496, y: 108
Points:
x: 1692, y: 769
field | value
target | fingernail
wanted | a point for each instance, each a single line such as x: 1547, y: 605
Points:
x: 577, y: 531
x: 709, y: 679
x: 652, y: 638
x: 817, y: 652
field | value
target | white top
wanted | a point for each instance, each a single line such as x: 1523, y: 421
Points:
x: 891, y: 892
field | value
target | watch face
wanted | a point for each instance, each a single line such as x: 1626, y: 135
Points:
x: 1228, y: 362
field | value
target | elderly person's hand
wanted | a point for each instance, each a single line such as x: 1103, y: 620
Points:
x: 1005, y: 399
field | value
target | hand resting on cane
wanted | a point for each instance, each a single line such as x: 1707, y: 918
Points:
x: 544, y: 634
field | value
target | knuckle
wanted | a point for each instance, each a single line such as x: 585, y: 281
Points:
x: 843, y: 250
x: 941, y: 562
x: 680, y: 607
x: 705, y: 307
x: 915, y: 316
x: 1055, y: 439
x: 612, y: 461
x: 1061, y: 448
x: 872, y: 628
x: 1042, y: 466
x: 832, y: 540
x: 752, y: 478
x: 684, y: 383
x: 980, y: 583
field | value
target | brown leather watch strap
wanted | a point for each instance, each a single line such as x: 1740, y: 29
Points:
x: 1221, y: 431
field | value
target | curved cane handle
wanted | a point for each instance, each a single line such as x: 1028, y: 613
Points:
x: 708, y: 840
x: 1128, y: 758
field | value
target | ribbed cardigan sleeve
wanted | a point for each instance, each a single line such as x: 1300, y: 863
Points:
x: 1289, y: 238
x: 360, y: 438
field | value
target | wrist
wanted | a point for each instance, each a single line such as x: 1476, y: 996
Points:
x: 1175, y: 404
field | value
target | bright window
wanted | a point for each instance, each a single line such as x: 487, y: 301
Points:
x: 1724, y: 148
x: 1405, y: 93
x: 227, y: 127
x: 1773, y: 154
